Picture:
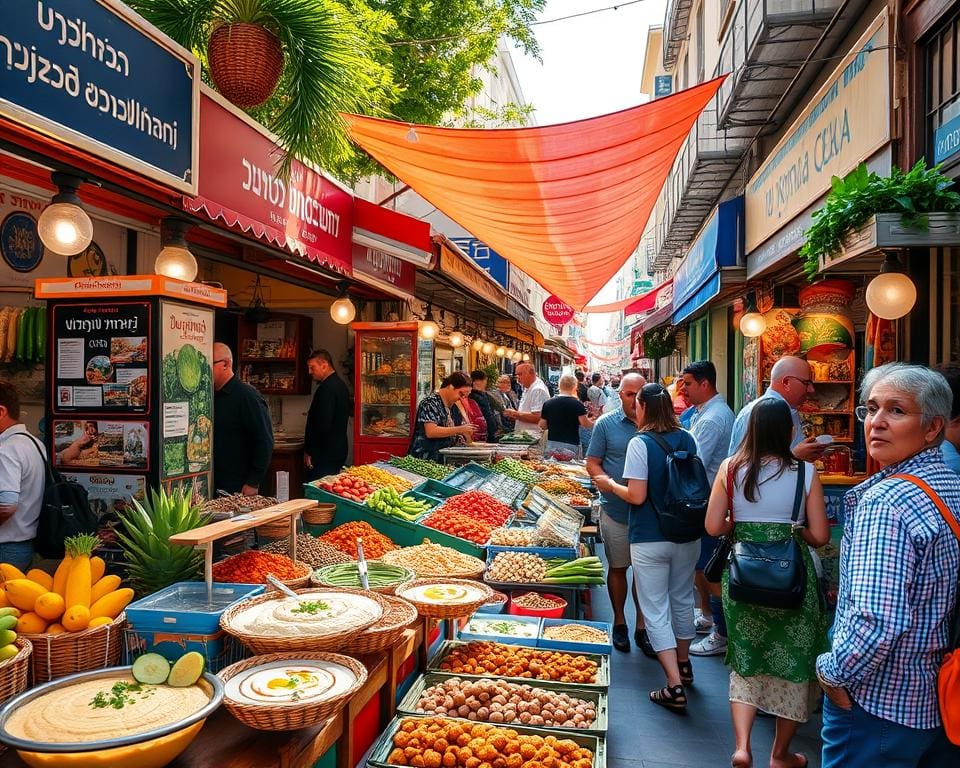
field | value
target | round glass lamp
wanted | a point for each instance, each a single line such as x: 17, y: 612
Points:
x: 64, y: 226
x: 487, y: 348
x: 175, y: 259
x: 477, y: 344
x: 891, y: 294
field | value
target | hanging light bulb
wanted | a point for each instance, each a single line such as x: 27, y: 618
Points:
x: 526, y: 357
x: 429, y: 328
x: 516, y: 357
x: 64, y: 226
x: 342, y: 311
x: 501, y: 351
x: 456, y: 338
x: 175, y: 259
x: 477, y: 344
x: 487, y: 348
x: 891, y: 294
x: 752, y: 323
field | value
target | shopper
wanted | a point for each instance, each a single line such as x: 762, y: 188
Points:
x: 662, y: 570
x: 951, y: 440
x: 771, y: 652
x: 562, y: 416
x: 711, y: 423
x: 485, y: 403
x: 898, y: 581
x: 581, y: 386
x: 325, y: 436
x: 605, y: 459
x: 508, y: 400
x: 595, y: 395
x: 434, y: 428
x: 466, y: 411
x: 613, y: 401
x: 535, y: 394
x: 242, y: 429
x: 22, y: 475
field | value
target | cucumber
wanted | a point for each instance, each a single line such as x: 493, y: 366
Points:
x: 21, y: 339
x: 42, y: 335
x: 151, y: 668
x: 29, y: 351
x: 187, y: 670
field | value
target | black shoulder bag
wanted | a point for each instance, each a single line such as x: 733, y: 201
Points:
x: 771, y: 574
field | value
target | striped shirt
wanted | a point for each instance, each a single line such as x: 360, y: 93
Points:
x: 899, y: 563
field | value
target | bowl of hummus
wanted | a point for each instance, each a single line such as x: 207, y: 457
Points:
x: 106, y: 718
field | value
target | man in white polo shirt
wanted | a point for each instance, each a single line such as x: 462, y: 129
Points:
x: 535, y: 394
x: 21, y: 482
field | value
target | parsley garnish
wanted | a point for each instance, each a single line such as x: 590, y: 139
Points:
x: 119, y: 695
x: 312, y: 607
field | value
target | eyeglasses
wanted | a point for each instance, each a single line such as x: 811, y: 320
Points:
x: 222, y: 360
x: 896, y: 413
x: 807, y: 383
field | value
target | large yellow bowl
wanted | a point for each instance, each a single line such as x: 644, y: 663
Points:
x: 151, y: 749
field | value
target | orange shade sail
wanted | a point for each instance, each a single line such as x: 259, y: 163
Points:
x: 567, y: 204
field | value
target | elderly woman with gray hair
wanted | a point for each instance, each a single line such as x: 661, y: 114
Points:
x: 898, y: 582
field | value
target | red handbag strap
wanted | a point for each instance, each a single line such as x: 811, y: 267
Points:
x: 935, y: 498
x: 730, y: 490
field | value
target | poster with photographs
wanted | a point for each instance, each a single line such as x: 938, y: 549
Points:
x: 108, y: 493
x: 101, y: 357
x: 95, y: 443
x: 194, y: 487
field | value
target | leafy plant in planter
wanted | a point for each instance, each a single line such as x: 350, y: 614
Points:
x: 861, y: 194
x: 659, y: 342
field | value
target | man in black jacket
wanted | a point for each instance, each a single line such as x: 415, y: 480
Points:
x: 242, y: 429
x: 325, y: 438
x: 479, y: 395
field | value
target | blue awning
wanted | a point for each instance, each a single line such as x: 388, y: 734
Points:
x: 720, y: 244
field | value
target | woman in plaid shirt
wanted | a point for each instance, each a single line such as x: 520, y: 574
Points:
x: 898, y: 583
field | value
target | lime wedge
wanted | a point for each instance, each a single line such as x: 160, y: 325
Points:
x: 186, y: 670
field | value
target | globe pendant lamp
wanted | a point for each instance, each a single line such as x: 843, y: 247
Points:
x: 342, y: 311
x: 456, y: 338
x: 175, y: 259
x: 64, y: 227
x: 501, y: 351
x: 487, y: 348
x: 477, y: 344
x: 891, y: 294
x: 526, y: 357
x: 752, y: 323
x: 429, y: 328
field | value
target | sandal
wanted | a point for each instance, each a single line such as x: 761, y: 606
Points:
x: 671, y: 697
x: 686, y: 672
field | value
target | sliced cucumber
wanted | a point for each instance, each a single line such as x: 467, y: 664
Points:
x: 186, y: 670
x: 151, y: 668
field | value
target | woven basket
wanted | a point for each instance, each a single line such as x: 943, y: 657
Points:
x: 56, y: 656
x: 14, y: 671
x: 319, y: 579
x: 386, y: 632
x: 302, y: 579
x: 246, y: 62
x: 261, y: 644
x: 319, y: 515
x: 439, y: 611
x: 278, y: 529
x: 289, y: 717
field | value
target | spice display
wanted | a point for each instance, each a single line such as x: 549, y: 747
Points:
x: 458, y: 525
x: 388, y: 501
x: 575, y: 633
x: 517, y: 568
x: 479, y: 506
x: 535, y: 601
x: 310, y: 550
x: 583, y: 570
x: 379, y: 575
x: 562, y: 486
x: 352, y: 488
x: 429, y: 559
x: 344, y: 537
x: 374, y: 476
x: 422, y: 467
x: 497, y: 659
x: 513, y: 537
x: 495, y: 701
x: 517, y: 470
x: 252, y: 567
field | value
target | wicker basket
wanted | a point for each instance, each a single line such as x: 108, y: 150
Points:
x: 56, y: 656
x: 400, y: 615
x: 322, y: 514
x: 289, y: 717
x: 261, y: 644
x: 302, y: 579
x: 246, y: 62
x: 14, y: 671
x: 278, y: 529
x: 439, y: 611
x: 319, y: 576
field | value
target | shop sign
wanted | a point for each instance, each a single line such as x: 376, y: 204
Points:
x: 471, y: 277
x: 484, y: 257
x: 134, y: 285
x: 240, y: 183
x: 847, y: 120
x: 384, y: 268
x: 946, y: 140
x: 662, y: 85
x: 557, y: 312
x: 94, y: 75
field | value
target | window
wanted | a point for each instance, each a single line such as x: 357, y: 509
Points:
x: 684, y: 71
x: 943, y: 95
x: 701, y: 54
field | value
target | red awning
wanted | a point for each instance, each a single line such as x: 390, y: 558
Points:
x: 647, y: 301
x: 393, y: 232
x: 567, y: 204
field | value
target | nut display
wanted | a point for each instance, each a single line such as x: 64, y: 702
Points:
x: 575, y: 633
x: 499, y: 660
x: 429, y: 559
x: 517, y: 568
x: 310, y: 550
x: 535, y: 601
x: 513, y: 537
x: 497, y: 701
x: 437, y: 742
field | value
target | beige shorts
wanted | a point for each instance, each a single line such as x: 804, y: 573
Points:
x: 616, y: 541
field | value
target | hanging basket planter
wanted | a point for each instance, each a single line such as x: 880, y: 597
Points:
x: 245, y: 61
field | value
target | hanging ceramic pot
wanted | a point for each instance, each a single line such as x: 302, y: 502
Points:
x: 825, y: 329
x: 246, y: 62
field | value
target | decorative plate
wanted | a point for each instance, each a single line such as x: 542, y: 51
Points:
x: 20, y: 243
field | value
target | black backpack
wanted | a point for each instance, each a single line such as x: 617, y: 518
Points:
x: 683, y: 508
x: 65, y: 511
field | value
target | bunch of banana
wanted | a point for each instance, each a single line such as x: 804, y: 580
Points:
x: 389, y: 502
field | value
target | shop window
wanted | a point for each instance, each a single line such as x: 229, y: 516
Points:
x: 950, y: 330
x: 943, y: 95
x: 698, y: 339
x: 701, y: 54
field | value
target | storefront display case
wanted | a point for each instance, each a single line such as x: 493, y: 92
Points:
x: 273, y: 354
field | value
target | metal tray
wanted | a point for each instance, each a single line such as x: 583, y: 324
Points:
x: 602, y: 660
x: 378, y: 754
x: 408, y: 705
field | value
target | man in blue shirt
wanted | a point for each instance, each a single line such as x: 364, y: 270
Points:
x: 605, y: 458
x: 951, y: 457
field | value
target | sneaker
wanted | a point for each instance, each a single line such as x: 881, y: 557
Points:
x: 712, y: 645
x: 621, y: 638
x: 643, y: 643
x: 702, y: 624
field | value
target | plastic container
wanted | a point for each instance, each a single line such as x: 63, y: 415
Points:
x: 497, y: 605
x: 466, y: 635
x: 573, y: 647
x: 183, y: 607
x: 545, y: 613
x: 437, y: 490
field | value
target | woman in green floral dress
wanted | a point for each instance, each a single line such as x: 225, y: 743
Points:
x: 771, y: 652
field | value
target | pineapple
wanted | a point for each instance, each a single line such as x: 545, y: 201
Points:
x: 153, y: 562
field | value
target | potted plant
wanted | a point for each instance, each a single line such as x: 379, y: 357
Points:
x: 862, y: 195
x: 659, y: 342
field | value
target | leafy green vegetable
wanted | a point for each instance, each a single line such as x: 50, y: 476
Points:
x: 312, y: 607
x: 172, y: 391
x: 189, y: 367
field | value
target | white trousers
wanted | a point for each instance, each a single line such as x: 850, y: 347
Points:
x: 664, y: 576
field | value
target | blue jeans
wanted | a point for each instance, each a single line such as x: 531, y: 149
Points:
x: 856, y: 739
x: 17, y: 553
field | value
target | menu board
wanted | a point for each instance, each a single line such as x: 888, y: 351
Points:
x: 109, y: 493
x: 186, y: 383
x: 101, y: 358
x: 100, y: 443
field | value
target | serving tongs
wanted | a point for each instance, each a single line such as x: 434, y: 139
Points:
x: 362, y: 564
x: 275, y: 582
